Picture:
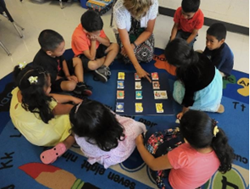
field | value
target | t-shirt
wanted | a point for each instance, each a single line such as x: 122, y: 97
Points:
x: 191, y: 169
x: 50, y: 64
x: 34, y: 129
x: 197, y: 76
x: 80, y: 42
x: 188, y: 25
x: 222, y: 58
x: 116, y: 155
x: 122, y: 16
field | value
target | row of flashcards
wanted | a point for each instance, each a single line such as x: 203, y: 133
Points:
x: 138, y: 85
x: 138, y: 95
x: 154, y: 76
x: 139, y: 107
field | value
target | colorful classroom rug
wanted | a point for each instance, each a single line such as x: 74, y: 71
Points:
x: 21, y: 167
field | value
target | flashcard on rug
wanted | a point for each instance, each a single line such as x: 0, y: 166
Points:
x: 159, y: 107
x: 138, y: 107
x: 156, y: 85
x: 138, y: 95
x: 137, y: 77
x: 120, y: 107
x: 154, y: 76
x: 120, y: 84
x: 120, y: 94
x: 138, y: 85
x: 121, y: 75
x: 160, y: 95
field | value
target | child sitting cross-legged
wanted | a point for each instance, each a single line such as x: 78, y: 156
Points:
x: 90, y: 43
x: 191, y: 164
x: 102, y: 135
x: 41, y: 117
x: 65, y: 75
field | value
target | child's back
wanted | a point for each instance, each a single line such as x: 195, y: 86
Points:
x: 125, y: 143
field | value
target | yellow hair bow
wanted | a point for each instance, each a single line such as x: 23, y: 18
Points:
x: 33, y: 79
x: 22, y: 65
x: 216, y: 130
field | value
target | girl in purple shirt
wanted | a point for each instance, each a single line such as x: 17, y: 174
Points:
x: 102, y: 135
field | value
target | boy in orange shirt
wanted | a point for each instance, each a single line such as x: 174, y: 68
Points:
x: 188, y: 19
x: 92, y: 46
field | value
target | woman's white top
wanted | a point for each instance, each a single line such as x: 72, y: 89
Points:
x: 122, y: 16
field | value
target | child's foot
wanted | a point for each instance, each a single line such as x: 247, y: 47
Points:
x: 221, y: 109
x: 82, y: 88
x: 49, y: 156
x: 102, y: 74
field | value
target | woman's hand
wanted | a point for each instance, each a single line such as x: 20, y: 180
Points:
x: 143, y: 74
x: 139, y: 140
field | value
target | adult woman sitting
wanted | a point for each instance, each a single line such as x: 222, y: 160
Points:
x: 135, y: 20
x: 199, y: 84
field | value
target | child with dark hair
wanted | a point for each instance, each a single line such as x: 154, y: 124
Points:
x: 217, y: 50
x: 199, y: 84
x: 188, y: 19
x: 41, y: 117
x: 191, y: 164
x: 65, y: 75
x: 104, y: 136
x: 92, y: 46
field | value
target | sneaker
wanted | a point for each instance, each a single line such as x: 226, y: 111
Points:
x: 82, y: 88
x: 102, y: 74
x: 221, y: 109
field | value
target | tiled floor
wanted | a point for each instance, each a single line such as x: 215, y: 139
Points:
x: 35, y: 17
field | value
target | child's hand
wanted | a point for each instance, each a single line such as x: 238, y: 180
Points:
x: 179, y: 115
x: 123, y: 52
x: 91, y: 37
x: 139, y: 139
x: 72, y: 78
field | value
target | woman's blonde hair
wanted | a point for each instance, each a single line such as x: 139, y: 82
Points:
x: 137, y: 8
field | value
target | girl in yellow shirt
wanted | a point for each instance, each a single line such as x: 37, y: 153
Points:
x: 40, y: 116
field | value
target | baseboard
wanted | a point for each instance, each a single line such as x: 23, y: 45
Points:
x: 208, y: 21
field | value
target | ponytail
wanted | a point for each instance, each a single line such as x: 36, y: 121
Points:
x: 223, y: 151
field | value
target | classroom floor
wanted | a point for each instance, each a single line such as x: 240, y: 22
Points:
x: 35, y: 17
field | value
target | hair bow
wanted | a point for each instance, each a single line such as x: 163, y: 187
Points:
x: 33, y: 79
x: 216, y: 130
x: 22, y: 65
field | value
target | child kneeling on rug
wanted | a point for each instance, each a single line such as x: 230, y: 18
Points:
x: 40, y: 116
x: 102, y: 135
x: 191, y: 164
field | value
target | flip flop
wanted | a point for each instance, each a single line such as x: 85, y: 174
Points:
x: 49, y: 156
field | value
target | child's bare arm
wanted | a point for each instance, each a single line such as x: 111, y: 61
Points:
x: 192, y: 36
x: 174, y: 31
x: 91, y: 53
x: 155, y: 164
x: 103, y: 40
x: 65, y: 68
x: 61, y: 109
x: 65, y: 98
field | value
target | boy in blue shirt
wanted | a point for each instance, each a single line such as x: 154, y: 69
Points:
x: 217, y: 50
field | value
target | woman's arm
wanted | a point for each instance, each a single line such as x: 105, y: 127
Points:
x: 155, y: 164
x: 147, y: 33
x: 130, y: 53
x: 61, y: 109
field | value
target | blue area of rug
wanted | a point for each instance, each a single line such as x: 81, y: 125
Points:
x: 19, y: 158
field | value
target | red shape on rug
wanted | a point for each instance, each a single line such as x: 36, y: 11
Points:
x: 35, y: 169
x: 161, y: 63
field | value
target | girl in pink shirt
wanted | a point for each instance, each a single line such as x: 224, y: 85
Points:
x: 192, y: 163
x: 103, y: 136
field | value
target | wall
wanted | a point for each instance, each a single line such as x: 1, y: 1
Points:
x: 231, y: 11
